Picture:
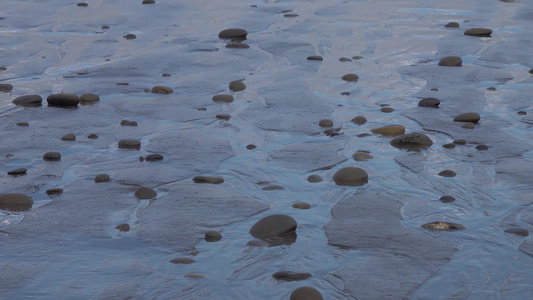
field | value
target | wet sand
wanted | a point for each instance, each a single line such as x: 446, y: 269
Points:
x: 187, y: 137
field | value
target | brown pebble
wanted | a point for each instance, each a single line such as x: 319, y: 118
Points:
x: 194, y: 275
x: 468, y: 125
x: 223, y: 117
x: 92, y: 136
x: 105, y: 27
x: 301, y: 205
x: 237, y: 86
x: 449, y: 146
x: 129, y: 144
x: 452, y: 25
x: 154, y: 157
x: 123, y: 227
x: 182, y: 260
x: 290, y: 15
x: 69, y: 137
x: 212, y: 236
x: 273, y: 187
x: 480, y: 32
x: 344, y: 59
x: 145, y: 193
x: 387, y: 109
x: 257, y: 243
x: 350, y: 176
x: 23, y: 124
x: 17, y: 172
x: 325, y: 123
x: 159, y: 89
x: 447, y: 173
x: 357, y: 57
x: 128, y: 123
x: 517, y: 231
x: 350, y: 77
x: 306, y: 293
x: 52, y: 156
x: 166, y: 75
x: 482, y: 147
x: 148, y: 2
x: 237, y: 46
x: 434, y: 89
x: 222, y: 98
x: 447, y: 199
x: 359, y: 120
x: 122, y: 83
x: 54, y: 191
x: 87, y: 98
x: 251, y: 147
x: 315, y: 57
x: 460, y: 142
x: 451, y: 61
x: 522, y: 113
x: 208, y: 179
x: 314, y: 178
x: 130, y: 36
x: 491, y: 89
x: 102, y: 178
x: 233, y: 33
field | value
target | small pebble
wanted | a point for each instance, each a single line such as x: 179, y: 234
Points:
x: 92, y: 136
x: 54, y: 191
x: 128, y: 123
x: 301, y: 205
x: 223, y: 117
x: 102, y: 178
x: 69, y: 137
x: 17, y: 172
x: 159, y: 89
x: 148, y: 2
x: 81, y: 4
x: 233, y: 33
x: 314, y: 178
x: 166, y: 75
x: 154, y: 157
x: 469, y: 125
x: 447, y: 173
x: 387, y: 109
x: 123, y: 227
x: 522, y: 113
x: 451, y: 61
x: 350, y: 78
x: 130, y: 36
x: 129, y: 144
x: 452, y: 25
x: 213, y: 236
x: 315, y: 57
x: 237, y: 46
x: 480, y: 32
x: 359, y: 120
x: 222, y: 98
x: 449, y: 146
x: 182, y: 260
x: 23, y: 124
x: 517, y: 231
x: 344, y: 59
x: 482, y: 147
x: 251, y: 147
x: 491, y: 89
x: 325, y: 123
x: 306, y: 293
x: 273, y: 187
x: 460, y: 142
x: 447, y: 199
x: 208, y: 179
x: 237, y: 86
x: 52, y: 156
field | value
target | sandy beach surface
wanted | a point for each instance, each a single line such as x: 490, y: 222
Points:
x: 366, y: 149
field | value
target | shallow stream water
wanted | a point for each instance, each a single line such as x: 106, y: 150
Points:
x: 67, y: 246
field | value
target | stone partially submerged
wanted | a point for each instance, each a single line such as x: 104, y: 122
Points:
x: 412, y: 141
x: 15, y: 202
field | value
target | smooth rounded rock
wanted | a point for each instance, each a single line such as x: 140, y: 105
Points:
x: 208, y: 179
x: 482, y: 147
x: 159, y: 89
x: 251, y: 146
x: 87, y: 98
x: 224, y: 117
x: 315, y: 57
x: 233, y: 33
x: 429, y: 102
x: 212, y: 236
x: 517, y: 231
x: 325, y: 123
x: 54, y: 191
x: 92, y: 136
x: 443, y: 226
x: 387, y: 109
x: 63, y: 100
x: 273, y: 187
x: 468, y: 117
x: 128, y: 123
x: 301, y: 205
x: 69, y: 137
x: 237, y: 46
x: 222, y: 98
x: 314, y: 178
x: 52, y: 156
x: 15, y: 202
x: 17, y: 172
x: 468, y: 125
x: 129, y: 144
x: 451, y: 61
x: 446, y: 199
x: 362, y: 156
x: 447, y: 173
x: 23, y: 124
x: 350, y: 77
x: 460, y: 142
x: 359, y: 120
x: 350, y: 176
x: 123, y: 227
x: 273, y: 226
x: 28, y: 100
x: 154, y: 157
x: 82, y: 4
x: 145, y: 193
x: 306, y: 293
x: 182, y: 260
x: 412, y: 141
x: 389, y: 129
x: 102, y: 178
x: 452, y: 25
x: 237, y: 86
x: 6, y: 87
x: 480, y: 32
x: 130, y: 36
x: 290, y: 276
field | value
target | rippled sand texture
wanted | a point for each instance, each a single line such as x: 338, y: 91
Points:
x: 111, y: 220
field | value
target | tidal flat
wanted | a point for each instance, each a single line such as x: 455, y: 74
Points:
x: 367, y: 149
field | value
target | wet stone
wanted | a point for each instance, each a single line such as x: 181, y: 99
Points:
x: 344, y: 59
x: 122, y: 83
x: 452, y: 25
x: 315, y: 57
x: 212, y: 236
x: 148, y: 2
x: 492, y: 89
x: 194, y: 275
x: 123, y: 227
x: 522, y: 113
x: 301, y: 205
x: 87, y: 98
x: 182, y: 260
x: 166, y: 75
x: 451, y: 61
x: 273, y: 226
x: 306, y: 293
x: 154, y: 157
x: 208, y: 179
x: 325, y: 123
x: 102, y: 178
x: 482, y: 147
x: 362, y: 156
x: 159, y: 89
x: 412, y: 141
x: 145, y: 193
x: 104, y: 27
x: 237, y: 86
x: 128, y: 123
x: 130, y: 36
x: 54, y: 191
x: 28, y: 100
x: 223, y: 98
x: 531, y: 71
x: 237, y: 46
x: 449, y: 146
x: 52, y: 156
x: 5, y: 87
x: 429, y: 102
x: 251, y: 146
x: 467, y: 117
x: 389, y: 129
x: 443, y: 226
x: 332, y: 131
x: 517, y: 231
x: 447, y: 173
x: 290, y: 276
x: 314, y: 178
x: 290, y: 15
x: 69, y: 137
x: 480, y: 32
x: 17, y: 172
x: 92, y: 136
x: 15, y: 202
x: 350, y: 77
x: 23, y: 124
x: 359, y: 120
x: 447, y: 199
x: 387, y: 109
x: 129, y: 144
x: 273, y: 187
x: 460, y: 142
x: 224, y: 117
x: 357, y: 57
x: 81, y: 4
x: 346, y: 93
x: 468, y: 125
x: 63, y: 100
x: 233, y: 33
x: 350, y: 176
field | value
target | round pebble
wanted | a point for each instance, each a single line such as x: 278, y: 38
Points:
x: 412, y: 141
x: 447, y: 173
x: 451, y: 61
x: 145, y: 193
x: 129, y: 144
x: 359, y: 120
x: 325, y: 123
x: 447, y: 199
x: 17, y: 172
x: 315, y: 57
x: 306, y: 293
x: 15, y: 202
x: 452, y: 25
x: 52, y: 156
x: 92, y: 136
x: 387, y: 109
x: 69, y: 137
x: 237, y: 86
x: 102, y: 178
x: 224, y: 117
x: 208, y: 179
x: 154, y: 157
x: 429, y: 102
x: 273, y: 226
x: 159, y: 89
x: 350, y: 176
x: 480, y: 32
x: 88, y: 98
x: 314, y: 178
x: 223, y: 98
x: 213, y: 236
x: 130, y: 36
x: 123, y: 227
x: 460, y: 142
x: 350, y: 77
x: 54, y: 191
x: 251, y: 147
x: 28, y: 100
x: 301, y: 205
x: 63, y: 100
x: 362, y: 156
x: 389, y: 129
x: 233, y: 33
x: 467, y: 117
x: 468, y: 125
x: 482, y: 147
x: 5, y: 87
x: 449, y: 146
